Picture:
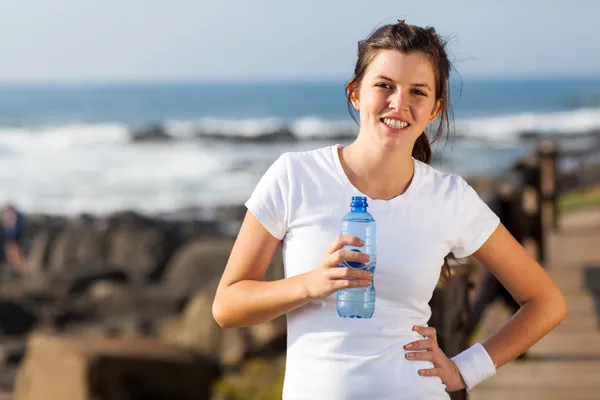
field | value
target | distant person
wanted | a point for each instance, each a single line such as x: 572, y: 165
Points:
x: 13, y: 226
x: 399, y: 88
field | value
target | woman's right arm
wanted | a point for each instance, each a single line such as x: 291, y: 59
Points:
x: 243, y: 298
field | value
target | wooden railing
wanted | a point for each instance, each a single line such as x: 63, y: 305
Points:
x: 525, y: 197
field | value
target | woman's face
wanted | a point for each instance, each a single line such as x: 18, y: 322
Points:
x: 396, y: 98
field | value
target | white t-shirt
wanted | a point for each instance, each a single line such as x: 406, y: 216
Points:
x: 300, y: 200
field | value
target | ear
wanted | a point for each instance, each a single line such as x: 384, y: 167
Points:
x: 436, y: 110
x: 354, y: 97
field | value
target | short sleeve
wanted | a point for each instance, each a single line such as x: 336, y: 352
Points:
x: 476, y: 221
x: 269, y: 199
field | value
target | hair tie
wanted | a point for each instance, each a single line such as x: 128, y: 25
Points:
x: 401, y: 21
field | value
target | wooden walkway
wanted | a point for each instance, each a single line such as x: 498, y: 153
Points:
x: 566, y: 363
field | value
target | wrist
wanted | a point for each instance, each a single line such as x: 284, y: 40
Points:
x: 474, y: 365
x: 304, y: 288
x: 463, y: 384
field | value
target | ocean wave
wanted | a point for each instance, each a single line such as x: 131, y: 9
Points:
x: 62, y: 136
x: 514, y: 126
x: 504, y: 128
x: 501, y: 128
x: 306, y: 128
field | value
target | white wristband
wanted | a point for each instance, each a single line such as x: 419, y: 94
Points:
x: 475, y: 365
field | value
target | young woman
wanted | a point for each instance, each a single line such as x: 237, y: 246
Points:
x: 400, y: 86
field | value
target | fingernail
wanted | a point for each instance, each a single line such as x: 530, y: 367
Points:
x: 415, y: 328
x: 408, y: 346
x: 410, y: 355
x: 421, y: 372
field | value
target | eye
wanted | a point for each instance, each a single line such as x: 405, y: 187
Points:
x: 383, y: 85
x: 418, y: 92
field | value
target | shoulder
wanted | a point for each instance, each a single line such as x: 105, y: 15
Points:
x: 435, y: 181
x: 295, y: 167
x: 313, y: 155
x: 308, y: 160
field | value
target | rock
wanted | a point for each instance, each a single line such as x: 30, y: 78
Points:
x: 269, y: 337
x: 35, y: 223
x: 198, y: 264
x: 197, y: 330
x: 104, y: 290
x: 233, y: 347
x: 142, y: 252
x: 147, y: 303
x: 280, y: 134
x: 91, y: 248
x: 82, y: 283
x: 78, y: 368
x: 83, y: 242
x: 129, y: 220
x: 140, y: 244
x: 186, y: 230
x: 233, y: 212
x: 154, y: 133
x: 64, y: 250
x: 65, y: 319
x: 12, y: 351
x: 16, y: 318
x: 37, y: 257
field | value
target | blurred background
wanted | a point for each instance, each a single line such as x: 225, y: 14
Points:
x: 215, y: 91
x: 132, y: 132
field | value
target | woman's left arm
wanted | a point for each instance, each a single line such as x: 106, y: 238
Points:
x: 542, y: 305
x: 542, y: 308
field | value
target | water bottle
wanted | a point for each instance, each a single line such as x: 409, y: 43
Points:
x: 358, y: 302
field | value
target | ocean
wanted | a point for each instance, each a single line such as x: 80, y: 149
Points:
x: 69, y: 148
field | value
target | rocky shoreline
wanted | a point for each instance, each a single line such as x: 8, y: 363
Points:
x: 128, y: 275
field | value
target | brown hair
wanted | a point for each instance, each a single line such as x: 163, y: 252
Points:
x: 409, y: 39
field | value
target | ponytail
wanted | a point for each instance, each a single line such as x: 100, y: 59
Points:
x: 422, y: 149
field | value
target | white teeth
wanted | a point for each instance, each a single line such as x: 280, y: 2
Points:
x: 394, y: 123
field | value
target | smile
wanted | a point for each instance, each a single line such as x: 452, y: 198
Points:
x: 394, y: 123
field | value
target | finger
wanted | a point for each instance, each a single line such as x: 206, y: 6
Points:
x: 345, y: 240
x: 339, y: 256
x: 425, y: 344
x: 426, y: 331
x: 420, y: 356
x: 347, y: 272
x: 346, y: 283
x: 431, y: 372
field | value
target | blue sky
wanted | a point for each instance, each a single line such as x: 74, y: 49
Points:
x: 226, y: 40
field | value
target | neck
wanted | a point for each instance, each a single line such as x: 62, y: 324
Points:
x: 377, y: 172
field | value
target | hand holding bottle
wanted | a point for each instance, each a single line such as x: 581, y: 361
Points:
x: 328, y: 277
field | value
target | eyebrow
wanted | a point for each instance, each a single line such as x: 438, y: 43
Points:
x: 421, y: 85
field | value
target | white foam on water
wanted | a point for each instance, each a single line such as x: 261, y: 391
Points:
x: 148, y: 178
x: 73, y: 168
x: 314, y: 127
x: 62, y: 136
x: 507, y: 127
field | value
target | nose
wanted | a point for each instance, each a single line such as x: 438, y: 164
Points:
x: 398, y: 100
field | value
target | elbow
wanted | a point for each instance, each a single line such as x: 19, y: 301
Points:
x: 557, y: 308
x: 219, y: 314
x: 562, y: 309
